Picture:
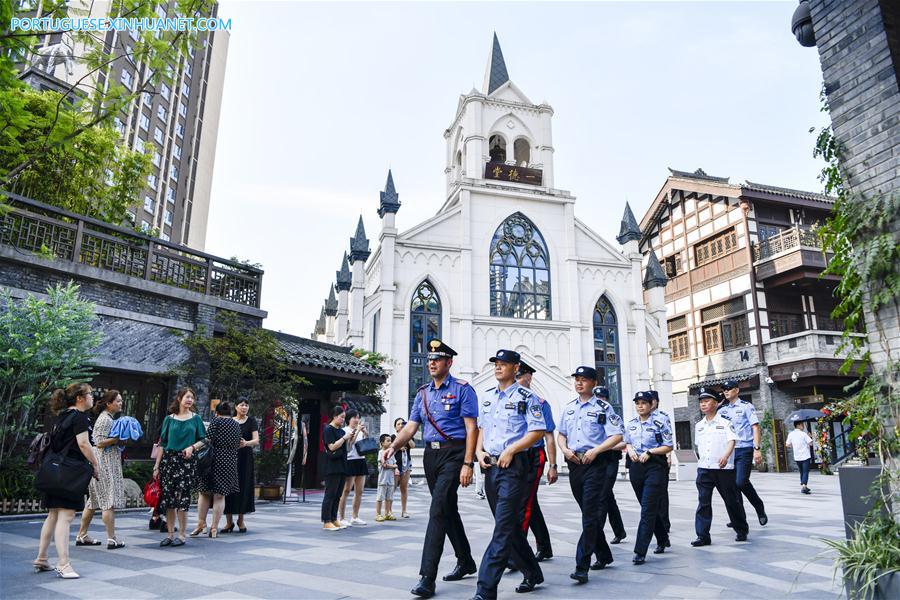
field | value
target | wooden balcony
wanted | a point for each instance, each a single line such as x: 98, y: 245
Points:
x: 793, y: 254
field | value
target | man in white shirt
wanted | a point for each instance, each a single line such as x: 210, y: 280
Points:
x: 714, y: 439
x: 801, y: 443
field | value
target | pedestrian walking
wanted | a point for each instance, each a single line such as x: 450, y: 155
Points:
x: 589, y: 430
x: 662, y: 542
x: 357, y: 469
x: 404, y: 466
x: 510, y: 422
x: 69, y: 437
x: 447, y: 409
x: 714, y: 441
x: 614, y: 515
x: 388, y: 472
x: 243, y: 501
x: 742, y: 415
x: 335, y: 441
x: 107, y: 492
x: 648, y: 441
x: 801, y: 443
x: 224, y: 438
x: 182, y: 435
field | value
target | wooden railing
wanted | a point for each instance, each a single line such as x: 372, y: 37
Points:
x: 43, y: 229
x: 789, y: 239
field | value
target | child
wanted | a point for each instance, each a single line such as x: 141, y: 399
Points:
x: 387, y: 470
x: 802, y: 445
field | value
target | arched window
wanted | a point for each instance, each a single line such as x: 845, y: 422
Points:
x: 497, y: 148
x: 606, y: 351
x: 425, y: 325
x: 522, y: 152
x: 519, y: 270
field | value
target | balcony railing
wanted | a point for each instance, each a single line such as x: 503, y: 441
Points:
x: 40, y: 228
x: 789, y: 239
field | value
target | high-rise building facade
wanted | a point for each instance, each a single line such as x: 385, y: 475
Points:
x: 174, y: 122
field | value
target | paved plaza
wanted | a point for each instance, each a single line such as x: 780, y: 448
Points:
x: 285, y: 554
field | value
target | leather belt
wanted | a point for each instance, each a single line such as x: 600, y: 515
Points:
x: 447, y: 444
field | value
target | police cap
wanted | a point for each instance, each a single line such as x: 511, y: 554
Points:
x: 589, y: 372
x: 643, y: 397
x: 729, y: 384
x: 524, y: 369
x: 709, y: 395
x: 438, y: 349
x: 601, y: 392
x: 508, y: 356
x: 654, y: 394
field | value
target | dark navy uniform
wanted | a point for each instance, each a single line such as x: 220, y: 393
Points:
x: 441, y: 412
x: 662, y: 542
x: 586, y: 424
x: 648, y: 479
x: 743, y: 417
x: 534, y: 517
x: 505, y: 417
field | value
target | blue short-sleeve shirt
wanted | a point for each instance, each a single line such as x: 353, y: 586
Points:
x: 588, y: 424
x: 449, y: 404
x: 548, y: 418
x: 505, y: 416
x: 647, y: 435
x: 742, y: 415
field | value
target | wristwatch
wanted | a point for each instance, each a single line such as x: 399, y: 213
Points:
x: 471, y: 465
x: 756, y: 447
x: 553, y: 466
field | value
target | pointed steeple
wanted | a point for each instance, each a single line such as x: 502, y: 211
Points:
x: 320, y: 324
x: 359, y: 244
x: 343, y: 277
x: 390, y: 199
x: 495, y: 75
x: 331, y: 303
x: 629, y: 229
x: 654, y: 276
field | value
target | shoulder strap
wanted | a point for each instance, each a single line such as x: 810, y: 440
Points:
x: 431, y: 419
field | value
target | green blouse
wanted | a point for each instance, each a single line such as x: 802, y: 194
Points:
x: 178, y: 435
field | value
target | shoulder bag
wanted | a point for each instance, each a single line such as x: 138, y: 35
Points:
x: 63, y: 476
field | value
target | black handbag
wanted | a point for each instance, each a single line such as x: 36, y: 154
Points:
x: 366, y: 446
x: 205, y: 459
x: 62, y: 476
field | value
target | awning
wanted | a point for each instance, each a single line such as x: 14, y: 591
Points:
x: 746, y: 381
x: 364, y: 405
x: 307, y: 356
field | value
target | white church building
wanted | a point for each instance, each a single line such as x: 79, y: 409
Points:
x: 503, y: 263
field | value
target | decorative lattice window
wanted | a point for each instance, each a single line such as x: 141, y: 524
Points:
x: 519, y: 271
x: 606, y: 351
x: 715, y: 247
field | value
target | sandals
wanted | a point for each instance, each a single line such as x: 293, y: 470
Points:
x: 86, y: 540
x: 199, y: 530
x: 41, y: 564
x: 114, y: 544
x: 67, y: 572
x: 228, y: 529
x: 213, y: 532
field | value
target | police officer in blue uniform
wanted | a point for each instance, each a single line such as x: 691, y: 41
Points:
x: 589, y: 429
x: 447, y: 410
x: 648, y: 441
x: 662, y: 542
x: 544, y: 451
x: 510, y: 422
x: 743, y: 417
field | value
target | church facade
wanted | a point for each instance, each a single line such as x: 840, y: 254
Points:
x: 504, y: 263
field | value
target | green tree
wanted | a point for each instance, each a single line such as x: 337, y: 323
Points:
x: 44, y: 345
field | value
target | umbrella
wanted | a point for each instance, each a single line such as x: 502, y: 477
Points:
x: 806, y: 414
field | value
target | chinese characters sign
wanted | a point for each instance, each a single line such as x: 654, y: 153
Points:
x: 504, y: 172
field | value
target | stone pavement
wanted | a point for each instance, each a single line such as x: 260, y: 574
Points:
x: 285, y: 554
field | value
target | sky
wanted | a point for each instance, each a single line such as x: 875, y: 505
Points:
x: 321, y: 99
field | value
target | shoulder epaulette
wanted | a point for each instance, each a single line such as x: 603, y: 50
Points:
x: 746, y: 401
x: 462, y: 382
x: 541, y: 400
x: 491, y: 389
x: 525, y: 392
x: 422, y: 387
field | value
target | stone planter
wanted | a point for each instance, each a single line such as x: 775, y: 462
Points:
x: 856, y: 483
x: 887, y: 587
x: 271, y: 492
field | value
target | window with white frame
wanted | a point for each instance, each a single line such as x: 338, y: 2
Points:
x: 157, y: 158
x: 126, y: 78
x: 158, y: 135
x: 151, y: 181
x: 179, y: 130
x: 170, y: 195
x: 139, y: 145
x: 145, y: 226
x: 182, y: 109
x: 173, y: 172
x: 164, y: 91
x: 167, y: 217
x: 117, y: 123
x: 185, y: 90
x: 145, y: 122
x: 176, y: 151
x: 187, y: 70
x: 164, y: 237
x: 148, y: 99
x: 161, y: 112
x: 148, y: 204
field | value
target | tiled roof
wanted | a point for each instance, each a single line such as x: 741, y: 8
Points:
x: 698, y: 174
x: 720, y: 380
x: 364, y: 405
x: 303, y: 352
x: 780, y: 191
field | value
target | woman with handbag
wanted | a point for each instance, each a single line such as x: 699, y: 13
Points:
x: 64, y: 487
x: 357, y: 469
x: 243, y: 501
x: 404, y: 465
x: 223, y: 437
x: 334, y: 441
x: 107, y: 493
x: 182, y: 435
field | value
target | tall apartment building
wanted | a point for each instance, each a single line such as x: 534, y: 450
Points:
x: 745, y: 298
x: 176, y: 123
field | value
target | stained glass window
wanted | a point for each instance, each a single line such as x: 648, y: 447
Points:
x: 606, y: 351
x: 425, y: 325
x: 519, y: 271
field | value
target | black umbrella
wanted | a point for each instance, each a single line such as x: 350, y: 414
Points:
x: 806, y: 414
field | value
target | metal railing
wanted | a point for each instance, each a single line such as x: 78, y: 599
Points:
x: 43, y: 229
x: 789, y: 239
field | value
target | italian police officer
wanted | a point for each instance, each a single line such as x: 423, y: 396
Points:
x: 648, y: 441
x: 714, y: 441
x: 544, y: 450
x: 510, y: 422
x: 743, y: 417
x: 447, y: 410
x: 662, y: 542
x: 589, y: 429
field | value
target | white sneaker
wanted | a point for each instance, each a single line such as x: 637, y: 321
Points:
x: 345, y: 524
x: 357, y: 521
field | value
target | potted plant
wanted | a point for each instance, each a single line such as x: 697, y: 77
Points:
x: 269, y: 466
x: 870, y: 559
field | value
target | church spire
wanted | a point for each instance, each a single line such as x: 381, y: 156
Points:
x: 359, y: 244
x: 343, y: 277
x: 654, y: 276
x: 331, y: 303
x: 390, y: 199
x: 495, y: 75
x: 628, y: 230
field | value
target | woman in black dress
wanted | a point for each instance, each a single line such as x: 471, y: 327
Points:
x: 335, y: 441
x: 71, y: 430
x: 242, y: 502
x: 224, y: 434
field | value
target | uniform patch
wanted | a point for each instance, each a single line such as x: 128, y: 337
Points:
x: 615, y: 419
x: 571, y: 411
x: 509, y: 405
x: 536, y: 411
x: 486, y: 403
x: 632, y: 428
x: 592, y: 413
x: 657, y: 423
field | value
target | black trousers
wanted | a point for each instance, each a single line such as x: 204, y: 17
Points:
x: 592, y: 485
x: 723, y: 481
x: 612, y: 508
x: 507, y: 491
x: 664, y: 524
x: 648, y: 482
x: 743, y: 462
x: 334, y: 485
x: 534, y: 517
x: 442, y: 469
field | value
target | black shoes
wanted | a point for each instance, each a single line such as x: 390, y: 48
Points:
x: 701, y: 542
x: 618, y: 539
x: 579, y: 576
x: 729, y: 524
x: 600, y: 564
x: 458, y: 572
x: 542, y: 555
x: 763, y: 519
x: 529, y: 583
x: 741, y: 537
x: 661, y: 548
x: 638, y: 559
x: 478, y: 597
x: 425, y: 588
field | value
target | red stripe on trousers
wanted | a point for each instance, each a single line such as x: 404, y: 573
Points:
x: 529, y: 504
